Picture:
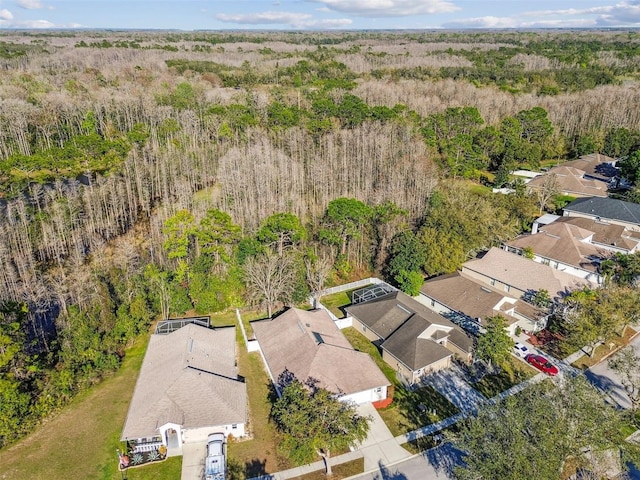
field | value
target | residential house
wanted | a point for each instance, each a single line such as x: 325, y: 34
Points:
x: 606, y: 210
x: 413, y: 339
x: 571, y: 181
x: 519, y: 276
x: 308, y: 344
x: 607, y: 236
x: 188, y: 387
x: 596, y: 166
x: 565, y: 247
x: 469, y: 303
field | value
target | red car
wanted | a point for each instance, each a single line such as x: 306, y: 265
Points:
x: 542, y: 364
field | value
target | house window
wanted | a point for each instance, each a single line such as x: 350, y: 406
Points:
x: 379, y: 389
x: 507, y: 288
x: 493, y: 281
x: 364, y: 328
x: 234, y: 426
x: 433, y: 303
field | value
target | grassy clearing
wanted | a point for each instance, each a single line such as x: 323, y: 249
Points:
x: 516, y: 372
x: 81, y: 441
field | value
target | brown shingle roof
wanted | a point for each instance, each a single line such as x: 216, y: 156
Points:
x: 605, y: 233
x: 596, y: 165
x: 564, y: 242
x: 463, y: 295
x: 571, y: 181
x: 188, y: 377
x: 309, y: 344
x: 474, y: 299
x: 525, y: 274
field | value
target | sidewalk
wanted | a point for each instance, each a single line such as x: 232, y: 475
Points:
x: 379, y: 446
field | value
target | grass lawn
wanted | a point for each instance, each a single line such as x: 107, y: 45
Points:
x: 603, y: 351
x: 362, y: 344
x: 170, y: 469
x: 81, y: 441
x: 336, y: 300
x: 492, y: 385
x: 403, y: 415
x: 260, y: 454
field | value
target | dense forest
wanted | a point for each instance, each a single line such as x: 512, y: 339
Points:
x: 148, y: 174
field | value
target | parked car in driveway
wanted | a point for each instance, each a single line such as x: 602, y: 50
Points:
x: 521, y: 350
x: 542, y: 364
x: 216, y: 457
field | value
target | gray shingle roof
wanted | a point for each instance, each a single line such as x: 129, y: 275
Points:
x: 413, y: 351
x: 189, y: 378
x: 405, y: 319
x: 309, y: 344
x: 606, y: 209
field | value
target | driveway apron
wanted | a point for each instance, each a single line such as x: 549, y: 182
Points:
x: 380, y: 447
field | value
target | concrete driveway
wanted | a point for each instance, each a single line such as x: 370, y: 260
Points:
x: 608, y: 381
x: 452, y: 384
x: 193, y: 455
x: 379, y: 446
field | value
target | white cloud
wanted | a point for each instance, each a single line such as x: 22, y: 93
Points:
x: 389, y: 8
x: 291, y: 19
x: 624, y: 13
x: 512, y: 22
x: 5, y: 14
x: 262, y: 18
x: 32, y: 5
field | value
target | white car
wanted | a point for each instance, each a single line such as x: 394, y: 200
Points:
x: 521, y: 350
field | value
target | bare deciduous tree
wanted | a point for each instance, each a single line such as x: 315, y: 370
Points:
x: 269, y: 279
x: 317, y: 272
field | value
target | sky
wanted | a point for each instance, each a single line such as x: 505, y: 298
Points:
x: 318, y: 14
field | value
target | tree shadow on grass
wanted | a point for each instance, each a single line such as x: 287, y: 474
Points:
x: 255, y: 468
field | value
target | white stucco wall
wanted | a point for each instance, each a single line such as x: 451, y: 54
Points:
x: 366, y: 396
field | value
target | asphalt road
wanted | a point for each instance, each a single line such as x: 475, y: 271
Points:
x: 434, y: 464
x: 608, y: 381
